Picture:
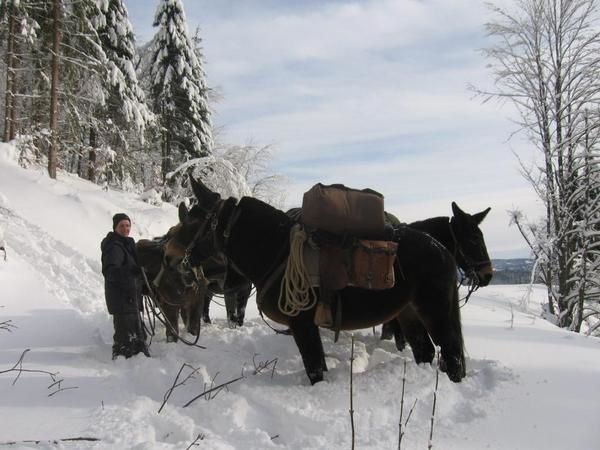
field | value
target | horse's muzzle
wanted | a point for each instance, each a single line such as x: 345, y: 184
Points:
x: 485, y: 274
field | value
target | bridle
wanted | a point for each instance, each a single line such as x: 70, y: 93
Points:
x: 469, y: 267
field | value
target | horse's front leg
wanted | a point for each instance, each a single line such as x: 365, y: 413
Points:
x: 411, y: 329
x: 192, y: 314
x: 206, y: 307
x: 307, y: 337
x: 231, y: 308
x: 172, y: 319
x: 241, y: 302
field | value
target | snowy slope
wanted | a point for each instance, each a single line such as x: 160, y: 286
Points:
x: 529, y: 385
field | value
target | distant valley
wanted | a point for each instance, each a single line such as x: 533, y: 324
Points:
x: 512, y: 271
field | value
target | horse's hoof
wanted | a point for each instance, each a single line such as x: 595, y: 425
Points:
x: 206, y: 319
x: 315, y: 376
x: 400, y: 345
x: 171, y: 339
x: 385, y: 336
x: 455, y: 370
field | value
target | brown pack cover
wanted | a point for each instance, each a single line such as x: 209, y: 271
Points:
x: 342, y: 210
x: 372, y: 264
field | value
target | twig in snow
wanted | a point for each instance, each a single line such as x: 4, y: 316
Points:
x: 18, y: 367
x: 219, y: 387
x: 176, y: 384
x: 212, y: 391
x: 437, y: 379
x: 258, y: 368
x: 51, y: 441
x: 200, y: 437
x: 401, y: 426
x: 351, y: 394
x: 7, y: 326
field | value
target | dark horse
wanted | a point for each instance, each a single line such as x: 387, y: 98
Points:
x: 177, y: 293
x: 255, y: 237
x: 223, y: 280
x: 461, y: 235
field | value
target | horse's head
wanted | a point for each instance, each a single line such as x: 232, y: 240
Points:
x: 192, y: 242
x: 471, y: 252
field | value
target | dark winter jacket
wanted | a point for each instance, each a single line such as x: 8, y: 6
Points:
x: 122, y: 275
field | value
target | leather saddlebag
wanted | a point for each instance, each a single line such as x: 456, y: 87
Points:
x: 372, y: 264
x: 344, y: 211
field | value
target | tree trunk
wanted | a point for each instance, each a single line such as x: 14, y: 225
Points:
x: 10, y: 73
x: 53, y: 151
x: 166, y: 156
x: 91, y: 172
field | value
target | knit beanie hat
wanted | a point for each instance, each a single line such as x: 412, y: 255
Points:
x: 118, y: 217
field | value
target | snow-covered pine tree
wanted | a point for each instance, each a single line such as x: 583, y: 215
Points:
x: 124, y: 104
x: 179, y: 92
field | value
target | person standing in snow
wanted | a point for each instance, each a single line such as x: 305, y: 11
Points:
x: 123, y: 289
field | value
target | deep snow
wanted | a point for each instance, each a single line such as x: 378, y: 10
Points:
x: 529, y: 385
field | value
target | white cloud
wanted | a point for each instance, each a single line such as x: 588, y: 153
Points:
x: 368, y: 93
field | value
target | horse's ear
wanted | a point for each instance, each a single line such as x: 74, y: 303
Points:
x: 183, y: 212
x: 456, y: 211
x: 478, y: 218
x: 203, y: 194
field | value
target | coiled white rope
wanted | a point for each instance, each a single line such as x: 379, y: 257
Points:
x: 296, y: 293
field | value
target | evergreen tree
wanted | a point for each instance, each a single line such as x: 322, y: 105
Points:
x: 123, y: 103
x: 179, y: 91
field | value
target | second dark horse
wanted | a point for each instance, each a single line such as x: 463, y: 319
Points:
x: 461, y: 235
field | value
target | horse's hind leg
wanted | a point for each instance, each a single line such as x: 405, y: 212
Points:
x: 307, y: 338
x: 411, y: 329
x: 393, y: 329
x: 444, y: 325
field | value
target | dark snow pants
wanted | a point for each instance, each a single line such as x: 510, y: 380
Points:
x: 129, y: 338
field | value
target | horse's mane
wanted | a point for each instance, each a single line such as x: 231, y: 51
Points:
x: 433, y: 222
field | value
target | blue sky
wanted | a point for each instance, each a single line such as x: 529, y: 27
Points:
x: 369, y: 94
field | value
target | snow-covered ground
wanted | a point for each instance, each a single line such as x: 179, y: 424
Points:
x: 529, y: 385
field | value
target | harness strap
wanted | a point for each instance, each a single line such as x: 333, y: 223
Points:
x: 459, y: 251
x: 165, y: 321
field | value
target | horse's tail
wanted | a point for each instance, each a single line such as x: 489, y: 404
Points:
x: 455, y: 320
x: 455, y: 317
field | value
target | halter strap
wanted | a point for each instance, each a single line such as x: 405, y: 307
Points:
x: 458, y: 250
